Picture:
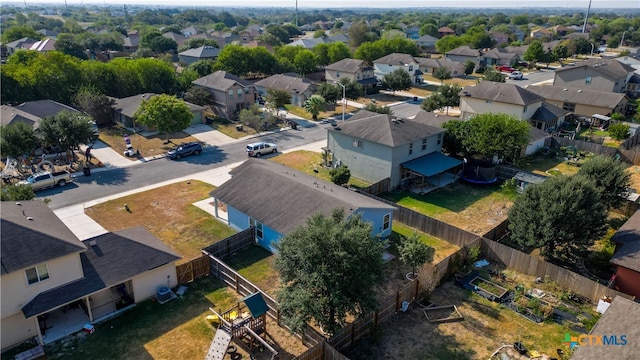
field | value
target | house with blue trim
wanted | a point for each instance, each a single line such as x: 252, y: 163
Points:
x: 277, y: 200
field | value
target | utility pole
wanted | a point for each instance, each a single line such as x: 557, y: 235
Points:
x: 584, y: 26
x: 344, y: 97
x: 296, y: 13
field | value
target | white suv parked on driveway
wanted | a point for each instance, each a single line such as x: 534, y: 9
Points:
x: 261, y: 148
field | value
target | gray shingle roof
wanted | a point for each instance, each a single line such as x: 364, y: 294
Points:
x: 288, y: 83
x: 117, y: 257
x: 44, y: 108
x: 381, y: 129
x: 347, y: 65
x: 29, y: 242
x: 396, y: 59
x: 548, y: 113
x: 202, y: 52
x: 628, y: 236
x: 441, y: 63
x: 464, y: 51
x: 129, y: 105
x: 609, y: 67
x: 598, y: 98
x: 426, y: 38
x: 10, y: 115
x: 283, y: 198
x: 621, y: 318
x: 433, y: 119
x: 220, y: 80
x: 501, y: 92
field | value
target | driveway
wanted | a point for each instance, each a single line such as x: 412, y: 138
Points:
x: 208, y: 135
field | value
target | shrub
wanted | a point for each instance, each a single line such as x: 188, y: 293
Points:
x: 619, y: 131
x: 340, y: 175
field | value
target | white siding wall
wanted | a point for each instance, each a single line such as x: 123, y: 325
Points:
x: 146, y: 285
x: 380, y: 70
x: 371, y: 163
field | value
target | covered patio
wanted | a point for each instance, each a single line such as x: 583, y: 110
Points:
x: 429, y: 172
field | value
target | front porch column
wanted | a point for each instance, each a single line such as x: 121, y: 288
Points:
x: 40, y: 340
x: 86, y: 299
x: 215, y: 207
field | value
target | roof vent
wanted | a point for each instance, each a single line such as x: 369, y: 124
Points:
x: 93, y: 243
x: 19, y: 203
x: 29, y: 218
x: 580, y: 91
x: 565, y: 89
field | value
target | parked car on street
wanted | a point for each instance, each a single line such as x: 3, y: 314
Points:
x: 505, y: 68
x: 185, y: 149
x: 516, y: 75
x: 44, y: 180
x: 261, y: 148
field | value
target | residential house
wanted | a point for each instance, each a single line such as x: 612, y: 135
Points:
x: 307, y: 43
x: 131, y: 41
x: 499, y: 37
x: 32, y: 112
x: 518, y: 50
x: 48, y: 33
x: 178, y: 38
x: 412, y: 33
x: 445, y: 30
x: 44, y: 45
x: 124, y: 110
x: 490, y: 97
x: 283, y: 199
x: 354, y: 69
x: 559, y: 30
x: 519, y: 34
x: 300, y: 89
x: 464, y: 53
x: 428, y: 66
x: 500, y: 56
x: 541, y: 33
x: 223, y: 38
x: 605, y: 340
x: 597, y: 74
x: 53, y: 284
x: 189, y: 31
x: 582, y: 102
x: 24, y: 43
x: 377, y: 146
x: 427, y: 43
x: 255, y: 44
x: 633, y: 85
x: 248, y: 36
x: 389, y: 63
x: 190, y: 56
x: 229, y: 93
x: 626, y: 257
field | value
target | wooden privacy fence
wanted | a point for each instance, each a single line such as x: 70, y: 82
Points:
x: 232, y: 244
x: 556, y: 142
x: 192, y: 270
x: 378, y: 188
x: 530, y: 265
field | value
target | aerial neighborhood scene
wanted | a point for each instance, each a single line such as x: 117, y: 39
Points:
x: 320, y: 180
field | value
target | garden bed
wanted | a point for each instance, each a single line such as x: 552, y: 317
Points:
x: 532, y: 308
x: 441, y: 314
x: 494, y: 290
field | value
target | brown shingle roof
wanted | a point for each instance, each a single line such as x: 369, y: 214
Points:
x: 609, y: 67
x: 129, y: 105
x: 286, y: 198
x: 383, y: 129
x: 220, y: 80
x: 501, y: 92
x: 578, y: 96
x: 347, y: 65
x: 465, y: 51
x: 288, y: 83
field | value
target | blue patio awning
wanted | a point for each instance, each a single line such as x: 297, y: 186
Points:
x: 432, y: 164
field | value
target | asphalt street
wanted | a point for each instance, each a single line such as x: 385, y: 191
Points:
x: 118, y: 180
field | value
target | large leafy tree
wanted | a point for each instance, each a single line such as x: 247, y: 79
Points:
x: 331, y: 93
x: 353, y: 90
x: 338, y: 51
x: 262, y: 61
x: 198, y: 95
x: 67, y: 44
x: 414, y: 252
x: 234, y: 59
x: 396, y: 80
x: 277, y: 98
x: 563, y: 216
x: 442, y: 74
x: 445, y: 96
x: 16, y: 192
x: 66, y: 130
x: 358, y: 34
x: 534, y: 52
x: 96, y: 104
x: 609, y: 176
x: 17, y: 139
x: 314, y: 105
x: 305, y: 62
x: 18, y: 32
x: 490, y: 74
x: 380, y: 109
x: 252, y: 117
x: 328, y: 269
x: 165, y: 113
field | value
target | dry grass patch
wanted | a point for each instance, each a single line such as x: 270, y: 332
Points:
x: 460, y: 81
x: 168, y: 213
x: 381, y: 99
x: 148, y: 146
x: 423, y: 91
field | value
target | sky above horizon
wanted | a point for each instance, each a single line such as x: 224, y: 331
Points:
x: 325, y: 4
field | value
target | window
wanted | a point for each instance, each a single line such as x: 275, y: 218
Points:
x: 410, y: 68
x: 240, y: 92
x: 489, y: 101
x: 410, y: 148
x: 587, y: 80
x: 386, y: 222
x: 259, y: 228
x: 569, y: 106
x: 337, y: 74
x: 357, y: 143
x: 37, y: 274
x: 439, y: 139
x: 424, y: 144
x: 246, y: 90
x: 230, y: 94
x: 524, y: 110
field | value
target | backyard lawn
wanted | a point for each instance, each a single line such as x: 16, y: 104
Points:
x: 441, y: 247
x: 308, y: 161
x: 183, y: 227
x: 474, y: 208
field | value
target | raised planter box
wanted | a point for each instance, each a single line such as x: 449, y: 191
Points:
x: 440, y: 314
x: 488, y: 289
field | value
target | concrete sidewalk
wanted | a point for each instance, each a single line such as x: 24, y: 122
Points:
x: 85, y: 227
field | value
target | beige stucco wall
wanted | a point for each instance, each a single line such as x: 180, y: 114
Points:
x: 332, y: 75
x: 588, y: 110
x: 471, y: 106
x: 16, y: 329
x: 16, y: 292
x: 145, y: 285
